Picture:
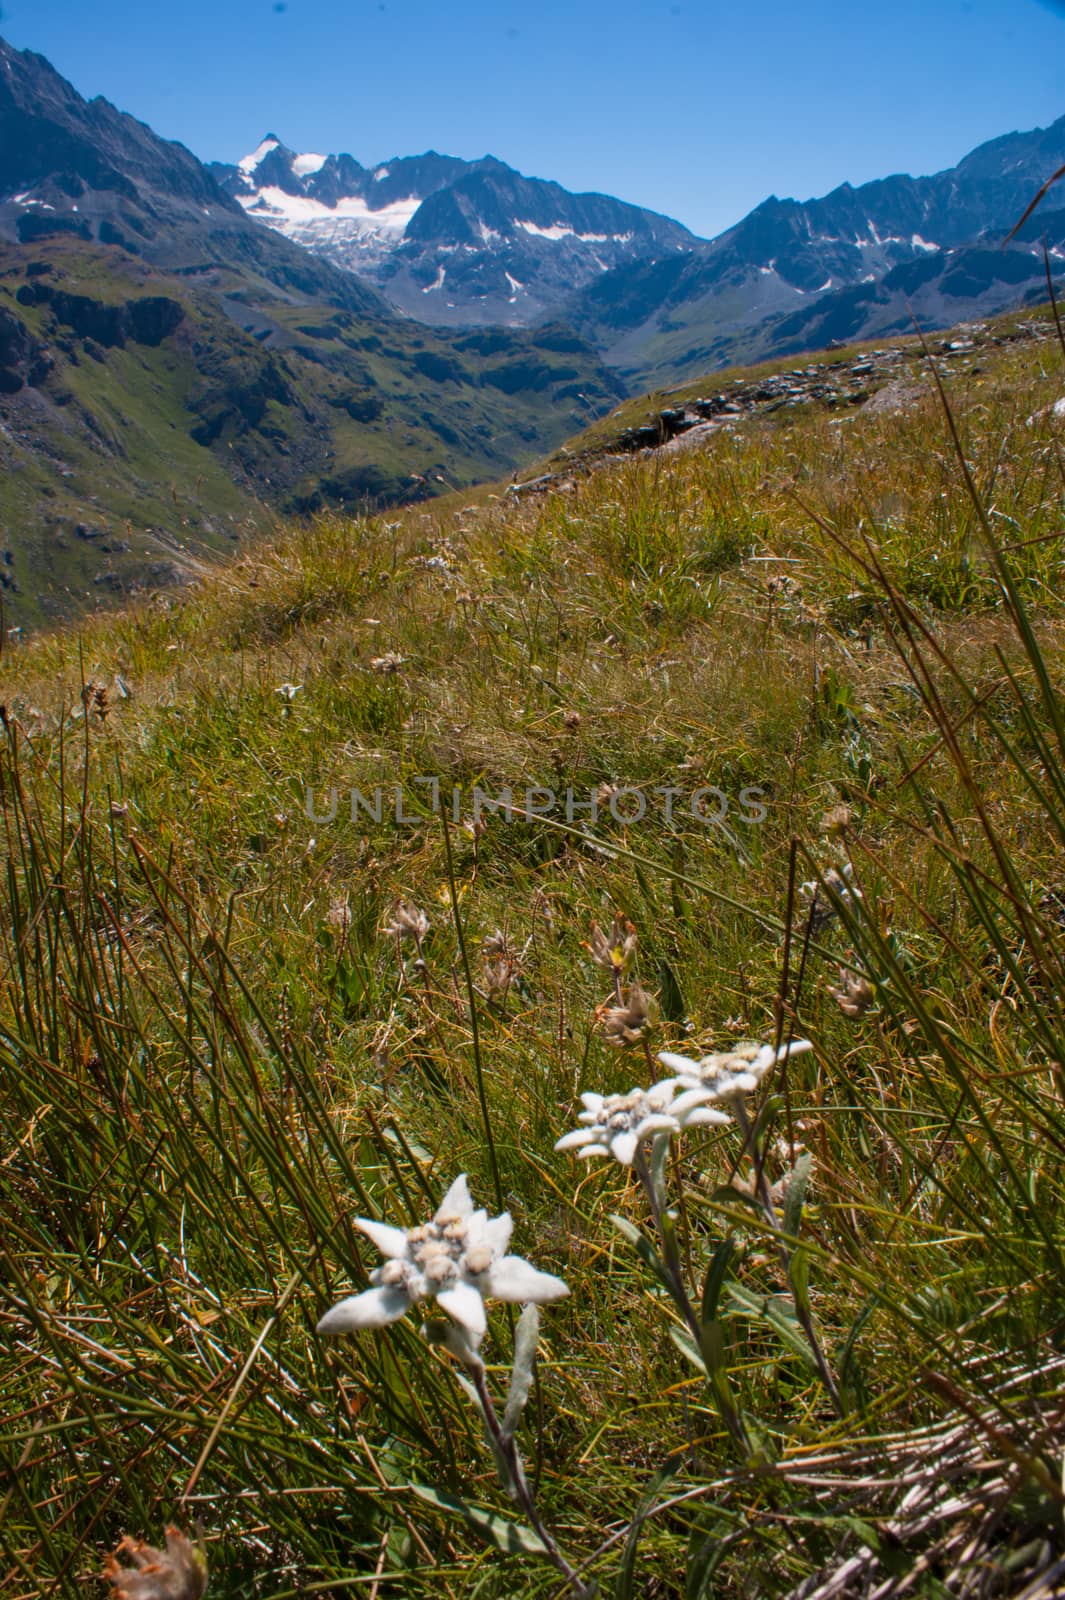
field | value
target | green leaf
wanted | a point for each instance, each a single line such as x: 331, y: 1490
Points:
x: 670, y: 998
x: 686, y: 1345
x: 645, y: 1250
x: 778, y: 1314
x: 659, y: 1158
x: 513, y: 1538
x: 799, y: 1276
x: 796, y: 1193
x: 714, y: 1281
x: 526, y: 1336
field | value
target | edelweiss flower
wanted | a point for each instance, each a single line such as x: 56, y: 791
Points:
x: 729, y: 1073
x: 458, y: 1259
x: 617, y: 1124
x: 177, y: 1573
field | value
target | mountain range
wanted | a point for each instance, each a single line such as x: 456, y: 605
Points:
x: 186, y: 351
x: 467, y: 243
x: 450, y: 242
x: 172, y: 373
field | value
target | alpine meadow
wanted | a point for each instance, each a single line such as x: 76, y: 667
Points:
x: 532, y: 1011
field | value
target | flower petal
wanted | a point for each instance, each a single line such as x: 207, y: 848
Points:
x: 463, y: 1303
x: 657, y: 1122
x: 690, y: 1097
x: 456, y: 1205
x: 797, y: 1047
x: 390, y: 1241
x: 374, y: 1308
x: 514, y: 1279
x: 496, y: 1233
x: 597, y: 1149
x: 591, y: 1102
x: 579, y: 1136
x: 623, y: 1147
x: 705, y: 1116
x: 674, y: 1063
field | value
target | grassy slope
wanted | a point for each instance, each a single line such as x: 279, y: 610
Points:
x: 686, y: 621
x: 271, y: 403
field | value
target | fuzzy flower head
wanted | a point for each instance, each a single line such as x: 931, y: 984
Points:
x: 728, y: 1074
x: 408, y: 922
x: 632, y: 1021
x: 617, y: 1124
x: 458, y: 1259
x: 177, y: 1573
x: 613, y: 951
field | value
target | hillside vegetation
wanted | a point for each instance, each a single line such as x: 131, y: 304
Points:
x: 226, y: 1033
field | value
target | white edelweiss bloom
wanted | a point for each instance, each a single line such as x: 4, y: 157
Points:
x: 728, y: 1074
x: 458, y: 1259
x: 617, y: 1124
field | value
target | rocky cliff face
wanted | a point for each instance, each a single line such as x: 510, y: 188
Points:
x: 717, y: 301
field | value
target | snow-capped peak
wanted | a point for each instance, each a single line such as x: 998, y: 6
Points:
x: 305, y: 166
x: 249, y: 163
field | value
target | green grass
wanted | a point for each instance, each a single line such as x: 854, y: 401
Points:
x: 214, y: 1060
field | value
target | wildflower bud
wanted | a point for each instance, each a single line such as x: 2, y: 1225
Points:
x: 177, y: 1573
x: 571, y: 720
x: 613, y: 951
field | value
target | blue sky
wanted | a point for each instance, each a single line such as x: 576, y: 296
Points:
x: 698, y: 108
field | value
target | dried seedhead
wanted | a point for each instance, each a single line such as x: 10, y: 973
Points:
x: 408, y: 922
x: 853, y: 994
x: 631, y: 1022
x: 179, y: 1572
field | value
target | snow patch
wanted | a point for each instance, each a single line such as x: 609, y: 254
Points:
x: 439, y: 284
x: 249, y: 163
x: 380, y: 175
x: 515, y: 286
x: 558, y: 230
x: 305, y: 166
x: 273, y: 205
x: 922, y: 244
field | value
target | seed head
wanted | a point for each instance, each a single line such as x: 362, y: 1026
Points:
x: 853, y: 994
x: 177, y: 1573
x: 408, y: 922
x: 629, y: 1023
